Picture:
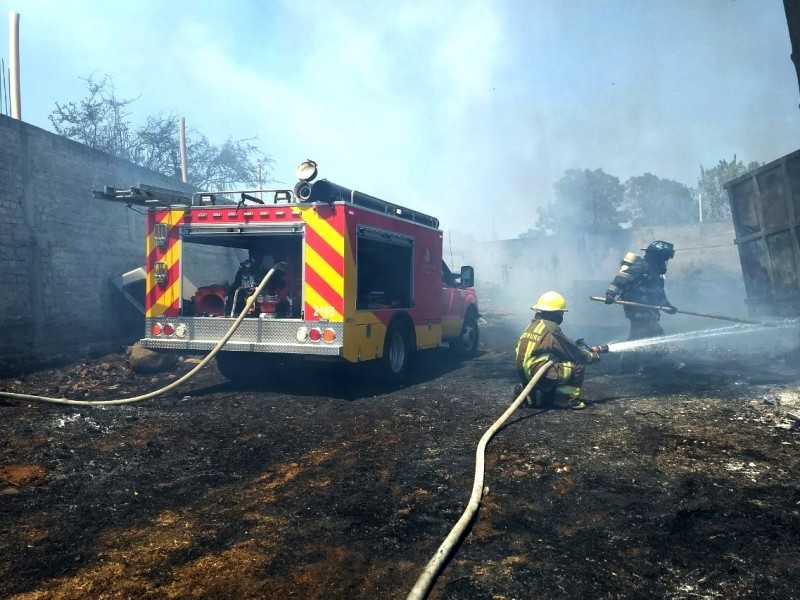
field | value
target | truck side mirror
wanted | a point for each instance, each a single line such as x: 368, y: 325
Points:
x: 467, y: 276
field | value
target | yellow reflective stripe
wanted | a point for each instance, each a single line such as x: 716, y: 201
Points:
x: 323, y: 308
x: 324, y: 229
x: 569, y: 390
x: 165, y: 300
x: 324, y: 270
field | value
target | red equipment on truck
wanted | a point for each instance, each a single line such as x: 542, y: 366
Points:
x: 364, y: 278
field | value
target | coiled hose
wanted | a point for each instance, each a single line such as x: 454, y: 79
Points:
x: 250, y: 301
x: 423, y: 585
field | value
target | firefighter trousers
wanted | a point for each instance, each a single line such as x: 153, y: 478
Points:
x: 561, y: 384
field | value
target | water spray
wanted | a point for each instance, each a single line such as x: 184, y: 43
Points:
x: 690, y: 336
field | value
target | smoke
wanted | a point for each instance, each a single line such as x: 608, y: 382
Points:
x: 467, y: 110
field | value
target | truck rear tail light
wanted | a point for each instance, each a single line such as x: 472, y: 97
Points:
x: 329, y: 335
x: 169, y: 329
x: 302, y: 334
x: 315, y: 335
x: 156, y: 329
x: 181, y: 330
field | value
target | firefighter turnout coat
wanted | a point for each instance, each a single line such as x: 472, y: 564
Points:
x: 640, y: 280
x: 543, y: 341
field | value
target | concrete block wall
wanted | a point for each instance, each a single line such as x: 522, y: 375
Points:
x: 59, y: 246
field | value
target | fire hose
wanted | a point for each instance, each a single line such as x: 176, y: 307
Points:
x: 250, y: 301
x: 426, y: 580
x: 672, y: 309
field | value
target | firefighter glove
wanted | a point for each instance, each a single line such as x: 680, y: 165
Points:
x: 595, y: 357
x: 669, y: 309
x: 610, y: 297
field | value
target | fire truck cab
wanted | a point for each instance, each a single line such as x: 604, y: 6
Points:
x: 363, y: 279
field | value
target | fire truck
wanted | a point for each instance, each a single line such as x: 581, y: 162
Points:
x: 363, y: 279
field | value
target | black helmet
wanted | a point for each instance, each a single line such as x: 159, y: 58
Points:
x: 660, y: 249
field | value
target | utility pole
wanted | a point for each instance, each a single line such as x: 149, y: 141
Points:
x: 184, y: 169
x: 700, y: 204
x: 13, y: 41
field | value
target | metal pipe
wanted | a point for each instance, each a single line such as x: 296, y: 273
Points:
x: 13, y: 43
x: 184, y: 169
x: 669, y: 309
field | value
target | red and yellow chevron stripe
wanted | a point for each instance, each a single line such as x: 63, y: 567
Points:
x: 324, y: 268
x: 164, y: 299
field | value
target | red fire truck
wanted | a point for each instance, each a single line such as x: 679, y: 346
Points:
x: 364, y: 279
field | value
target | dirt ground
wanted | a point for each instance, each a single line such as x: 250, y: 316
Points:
x: 324, y: 485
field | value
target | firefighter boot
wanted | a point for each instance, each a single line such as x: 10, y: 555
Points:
x: 568, y: 401
x: 527, y: 401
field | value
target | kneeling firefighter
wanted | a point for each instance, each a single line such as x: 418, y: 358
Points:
x: 544, y: 341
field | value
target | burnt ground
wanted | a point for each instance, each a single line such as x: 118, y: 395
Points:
x: 323, y: 486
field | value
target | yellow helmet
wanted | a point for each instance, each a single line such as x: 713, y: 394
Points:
x: 550, y: 302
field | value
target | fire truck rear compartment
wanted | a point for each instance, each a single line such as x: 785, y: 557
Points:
x: 212, y: 257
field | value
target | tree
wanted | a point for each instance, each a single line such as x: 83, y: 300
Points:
x: 712, y: 194
x: 650, y: 200
x: 101, y: 121
x: 585, y: 201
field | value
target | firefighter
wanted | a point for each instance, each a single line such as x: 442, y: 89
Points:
x: 642, y: 280
x: 247, y: 279
x: 542, y: 341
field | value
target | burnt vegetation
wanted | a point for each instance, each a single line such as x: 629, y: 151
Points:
x: 324, y: 484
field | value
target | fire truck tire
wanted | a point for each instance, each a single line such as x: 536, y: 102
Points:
x: 243, y: 367
x: 398, y: 348
x: 466, y: 345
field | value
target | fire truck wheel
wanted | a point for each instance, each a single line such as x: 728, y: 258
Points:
x: 467, y: 344
x: 397, y: 350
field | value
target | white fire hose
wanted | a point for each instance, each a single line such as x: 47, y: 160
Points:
x: 177, y: 382
x: 423, y: 585
x: 435, y: 565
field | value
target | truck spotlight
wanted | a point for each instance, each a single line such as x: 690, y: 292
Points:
x: 307, y: 170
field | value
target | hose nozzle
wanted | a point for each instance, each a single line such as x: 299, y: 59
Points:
x: 601, y: 349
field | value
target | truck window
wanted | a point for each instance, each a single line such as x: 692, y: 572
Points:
x: 384, y: 265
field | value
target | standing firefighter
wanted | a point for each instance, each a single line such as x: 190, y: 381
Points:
x: 642, y: 280
x: 544, y: 341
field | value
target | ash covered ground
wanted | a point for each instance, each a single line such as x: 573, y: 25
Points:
x: 326, y: 485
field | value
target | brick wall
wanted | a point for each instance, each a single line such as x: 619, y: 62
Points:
x: 59, y: 246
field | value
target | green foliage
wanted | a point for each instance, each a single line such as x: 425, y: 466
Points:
x: 650, y: 200
x: 710, y: 187
x: 585, y: 201
x: 100, y: 120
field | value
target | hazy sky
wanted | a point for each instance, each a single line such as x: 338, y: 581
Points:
x: 465, y: 109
